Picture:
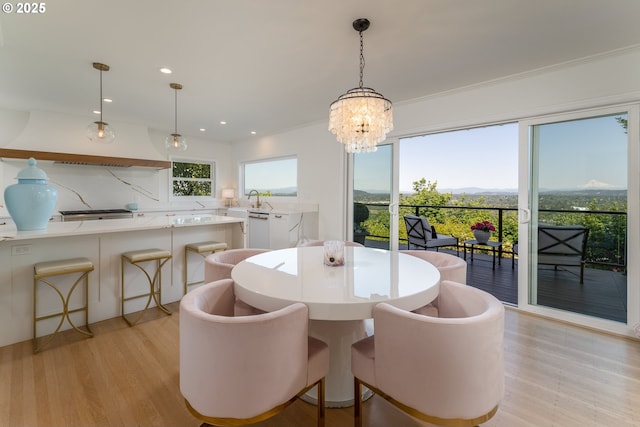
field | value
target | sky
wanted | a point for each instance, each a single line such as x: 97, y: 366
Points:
x: 574, y: 155
x: 589, y: 153
x: 271, y: 174
x: 481, y: 157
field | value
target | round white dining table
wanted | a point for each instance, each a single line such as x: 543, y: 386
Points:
x: 339, y: 298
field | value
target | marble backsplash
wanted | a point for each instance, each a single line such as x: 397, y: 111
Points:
x: 83, y: 187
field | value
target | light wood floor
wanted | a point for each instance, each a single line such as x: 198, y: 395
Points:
x: 555, y: 375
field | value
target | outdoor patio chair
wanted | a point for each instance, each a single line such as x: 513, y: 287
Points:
x: 420, y: 235
x: 563, y: 245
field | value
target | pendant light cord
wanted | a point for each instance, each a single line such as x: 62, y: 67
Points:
x: 100, y: 96
x: 175, y: 109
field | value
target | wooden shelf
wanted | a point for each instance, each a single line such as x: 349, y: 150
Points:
x: 83, y: 159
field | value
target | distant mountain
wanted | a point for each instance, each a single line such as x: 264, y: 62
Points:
x: 284, y: 191
x: 372, y: 191
x: 473, y: 190
x: 478, y: 190
x: 585, y: 192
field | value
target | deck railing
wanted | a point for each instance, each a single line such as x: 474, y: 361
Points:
x: 606, y: 246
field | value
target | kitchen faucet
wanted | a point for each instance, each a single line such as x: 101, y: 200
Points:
x: 258, y: 204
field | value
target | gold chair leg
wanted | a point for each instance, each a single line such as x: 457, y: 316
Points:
x: 186, y: 272
x: 321, y: 403
x: 156, y: 296
x: 65, y: 313
x: 357, y: 402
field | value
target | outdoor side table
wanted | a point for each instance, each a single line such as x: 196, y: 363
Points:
x: 494, y: 246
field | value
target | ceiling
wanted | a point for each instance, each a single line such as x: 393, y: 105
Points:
x: 269, y: 66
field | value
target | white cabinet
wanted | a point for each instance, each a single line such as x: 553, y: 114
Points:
x: 283, y: 229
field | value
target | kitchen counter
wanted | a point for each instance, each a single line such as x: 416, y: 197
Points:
x: 8, y: 231
x: 102, y: 242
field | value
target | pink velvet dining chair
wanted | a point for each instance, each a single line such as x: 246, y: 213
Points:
x: 450, y: 267
x: 237, y: 370
x: 321, y: 243
x: 446, y: 370
x: 219, y: 265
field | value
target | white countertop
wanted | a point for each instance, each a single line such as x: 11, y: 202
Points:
x: 8, y: 231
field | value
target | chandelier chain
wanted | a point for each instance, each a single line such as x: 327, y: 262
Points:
x: 361, y: 58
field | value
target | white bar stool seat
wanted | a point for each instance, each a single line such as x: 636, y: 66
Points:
x: 155, y: 283
x: 44, y: 270
x: 203, y: 249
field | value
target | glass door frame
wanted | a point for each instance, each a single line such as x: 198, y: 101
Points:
x: 395, y: 193
x: 525, y: 275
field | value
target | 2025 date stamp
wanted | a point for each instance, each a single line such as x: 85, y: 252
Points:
x: 25, y: 8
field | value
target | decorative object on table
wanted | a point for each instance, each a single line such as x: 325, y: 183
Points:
x: 175, y: 141
x: 482, y: 231
x: 334, y: 252
x: 100, y: 131
x: 361, y: 118
x: 31, y: 201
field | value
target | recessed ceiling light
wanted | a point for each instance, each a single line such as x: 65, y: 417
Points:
x: 96, y: 111
x: 165, y: 70
x: 253, y: 132
x: 202, y: 129
x: 107, y: 99
x: 223, y: 122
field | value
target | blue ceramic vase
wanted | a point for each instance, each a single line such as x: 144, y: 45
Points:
x: 31, y: 201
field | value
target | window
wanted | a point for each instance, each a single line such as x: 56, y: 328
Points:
x: 273, y: 177
x: 193, y: 179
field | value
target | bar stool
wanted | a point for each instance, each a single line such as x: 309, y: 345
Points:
x: 203, y: 249
x: 155, y: 283
x: 44, y: 270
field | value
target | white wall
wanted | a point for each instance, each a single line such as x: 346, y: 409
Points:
x: 321, y: 163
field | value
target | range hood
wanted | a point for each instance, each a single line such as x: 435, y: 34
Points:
x: 61, y: 138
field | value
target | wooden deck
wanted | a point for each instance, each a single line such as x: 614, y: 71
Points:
x: 603, y: 294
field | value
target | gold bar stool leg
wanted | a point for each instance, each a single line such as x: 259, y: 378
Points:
x: 203, y: 249
x: 155, y: 284
x: 44, y: 270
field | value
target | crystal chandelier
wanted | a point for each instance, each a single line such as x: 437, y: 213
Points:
x: 361, y: 118
x: 175, y: 141
x: 100, y: 131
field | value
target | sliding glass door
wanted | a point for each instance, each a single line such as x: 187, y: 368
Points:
x: 372, y: 198
x: 578, y: 201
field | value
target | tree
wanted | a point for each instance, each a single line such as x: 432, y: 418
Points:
x: 426, y: 193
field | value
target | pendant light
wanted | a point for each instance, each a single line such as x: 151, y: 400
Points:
x: 100, y: 131
x: 361, y: 118
x: 175, y: 141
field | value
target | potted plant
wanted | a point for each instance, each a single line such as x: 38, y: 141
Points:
x: 482, y: 231
x: 360, y: 215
